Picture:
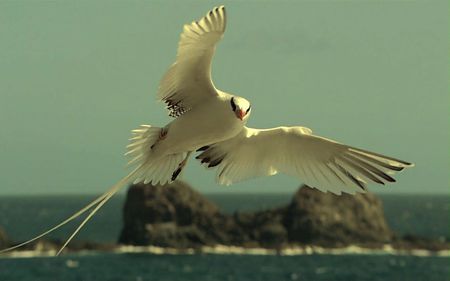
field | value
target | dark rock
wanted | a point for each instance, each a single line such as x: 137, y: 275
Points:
x: 172, y: 216
x: 263, y: 228
x: 273, y: 235
x: 314, y: 217
x: 4, y: 241
x: 410, y: 241
x: 177, y: 216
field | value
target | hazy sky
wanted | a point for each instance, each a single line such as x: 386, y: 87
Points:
x: 77, y: 76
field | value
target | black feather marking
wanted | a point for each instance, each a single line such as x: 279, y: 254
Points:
x: 176, y: 173
x: 375, y: 161
x: 350, y: 176
x: 205, y: 160
x: 362, y: 151
x: 371, y: 168
x: 175, y: 107
x: 201, y: 155
x: 233, y: 105
x: 203, y: 148
x: 215, y: 162
x: 200, y: 27
x: 361, y: 170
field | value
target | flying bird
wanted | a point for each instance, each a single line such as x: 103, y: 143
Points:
x: 212, y: 123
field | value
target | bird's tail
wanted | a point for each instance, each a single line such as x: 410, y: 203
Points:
x: 155, y: 169
x: 98, y: 203
x: 148, y: 169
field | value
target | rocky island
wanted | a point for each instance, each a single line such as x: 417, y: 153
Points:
x: 178, y: 218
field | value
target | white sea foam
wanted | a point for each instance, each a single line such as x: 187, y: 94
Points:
x: 233, y: 250
x: 291, y: 251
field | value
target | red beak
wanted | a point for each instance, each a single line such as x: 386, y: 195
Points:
x: 240, y: 114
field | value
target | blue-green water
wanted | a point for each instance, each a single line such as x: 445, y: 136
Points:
x: 140, y: 267
x: 22, y: 217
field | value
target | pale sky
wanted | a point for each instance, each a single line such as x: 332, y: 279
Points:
x: 77, y: 76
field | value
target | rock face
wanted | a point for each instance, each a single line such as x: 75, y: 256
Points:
x: 171, y: 216
x: 4, y: 241
x: 179, y: 217
x: 324, y: 218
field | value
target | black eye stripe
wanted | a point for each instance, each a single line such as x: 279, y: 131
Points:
x: 233, y: 105
x: 248, y: 109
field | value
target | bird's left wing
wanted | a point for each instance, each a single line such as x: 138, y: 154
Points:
x: 188, y: 80
x: 318, y: 162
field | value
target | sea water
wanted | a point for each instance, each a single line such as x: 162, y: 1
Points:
x: 21, y: 217
x: 140, y: 267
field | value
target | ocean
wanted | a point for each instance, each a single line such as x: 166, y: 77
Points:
x: 23, y: 216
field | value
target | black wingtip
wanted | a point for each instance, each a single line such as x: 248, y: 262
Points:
x: 391, y: 179
x: 203, y: 148
x: 350, y: 176
x: 215, y: 163
x: 176, y: 173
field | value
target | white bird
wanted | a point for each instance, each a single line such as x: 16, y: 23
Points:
x: 213, y: 122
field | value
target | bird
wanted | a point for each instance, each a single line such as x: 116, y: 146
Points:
x: 212, y: 123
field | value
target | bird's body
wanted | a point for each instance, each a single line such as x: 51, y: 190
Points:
x: 213, y: 122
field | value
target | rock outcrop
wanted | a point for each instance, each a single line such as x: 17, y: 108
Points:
x: 171, y: 216
x: 179, y: 217
x: 314, y: 217
x: 4, y: 241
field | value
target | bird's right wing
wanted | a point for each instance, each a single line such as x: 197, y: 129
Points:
x: 318, y: 162
x: 188, y: 80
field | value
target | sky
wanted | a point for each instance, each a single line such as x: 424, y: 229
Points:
x: 77, y: 76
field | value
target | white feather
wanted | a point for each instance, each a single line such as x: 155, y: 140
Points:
x: 317, y: 161
x: 155, y: 168
x: 188, y: 80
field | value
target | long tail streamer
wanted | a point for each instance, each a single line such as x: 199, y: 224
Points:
x: 98, y: 202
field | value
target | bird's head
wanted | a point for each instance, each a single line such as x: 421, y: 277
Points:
x: 241, y: 107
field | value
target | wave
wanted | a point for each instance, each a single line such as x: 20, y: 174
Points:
x: 234, y: 250
x: 291, y: 251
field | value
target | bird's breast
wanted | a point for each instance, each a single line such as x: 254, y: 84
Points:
x: 200, y: 127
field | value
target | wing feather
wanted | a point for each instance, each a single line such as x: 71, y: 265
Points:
x: 319, y: 162
x: 188, y: 80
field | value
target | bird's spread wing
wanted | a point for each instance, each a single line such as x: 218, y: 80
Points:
x: 318, y: 162
x: 188, y: 80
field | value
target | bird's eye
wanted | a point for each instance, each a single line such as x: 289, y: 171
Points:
x: 248, y: 109
x: 233, y: 105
